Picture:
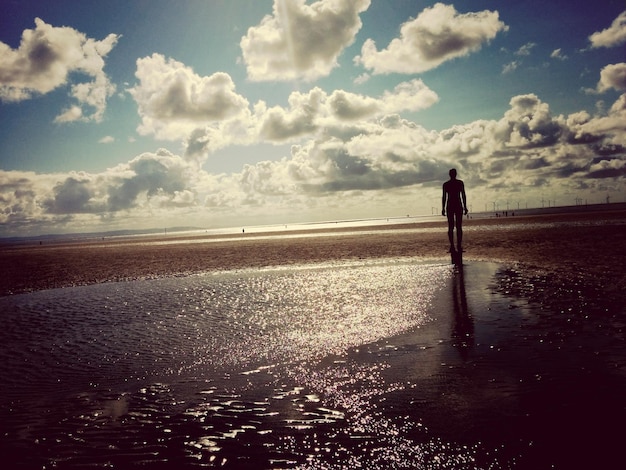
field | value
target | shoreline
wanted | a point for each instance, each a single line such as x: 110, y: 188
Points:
x: 572, y: 246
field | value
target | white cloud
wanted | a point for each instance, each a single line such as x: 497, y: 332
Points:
x: 409, y: 96
x: 528, y: 148
x: 437, y: 35
x: 612, y: 36
x: 300, y: 41
x: 107, y: 140
x: 73, y: 113
x: 510, y: 67
x: 44, y: 61
x: 173, y: 100
x: 308, y: 115
x: 158, y: 179
x: 361, y: 79
x: 356, y: 167
x: 612, y: 125
x: 612, y: 76
x: 558, y: 54
x: 526, y: 49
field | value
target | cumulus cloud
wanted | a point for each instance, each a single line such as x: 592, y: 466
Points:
x: 316, y: 111
x: 309, y: 114
x: 72, y: 196
x: 161, y: 176
x: 612, y: 76
x: 409, y: 96
x: 148, y: 184
x: 613, y: 125
x: 438, y: 34
x: 352, y: 167
x: 558, y: 54
x: 151, y: 180
x: 612, y: 36
x: 300, y: 41
x: 208, y: 114
x: 530, y: 123
x: 527, y: 148
x: 172, y: 99
x: 44, y: 61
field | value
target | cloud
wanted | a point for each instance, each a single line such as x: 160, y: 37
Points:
x: 523, y: 51
x: 611, y: 127
x: 526, y: 49
x: 107, y: 140
x: 21, y: 196
x: 149, y: 183
x: 612, y: 76
x: 528, y: 147
x: 437, y: 35
x: 354, y: 166
x: 316, y: 110
x: 361, y: 79
x: 612, y: 36
x: 280, y: 124
x: 308, y: 115
x: 44, y: 61
x: 172, y: 99
x: 160, y: 177
x: 558, y: 54
x: 73, y: 113
x: 300, y: 41
x: 510, y: 67
x: 409, y: 96
x: 72, y: 196
x: 530, y: 123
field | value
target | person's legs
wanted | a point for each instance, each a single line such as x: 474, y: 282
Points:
x: 459, y: 229
x: 450, y: 215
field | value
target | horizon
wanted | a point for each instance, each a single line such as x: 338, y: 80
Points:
x: 125, y: 114
x: 316, y: 225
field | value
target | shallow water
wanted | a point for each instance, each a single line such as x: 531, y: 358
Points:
x: 380, y: 365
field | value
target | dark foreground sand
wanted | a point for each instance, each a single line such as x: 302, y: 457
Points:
x: 572, y: 247
x: 530, y: 378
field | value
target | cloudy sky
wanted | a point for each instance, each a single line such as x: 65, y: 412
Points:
x: 153, y: 113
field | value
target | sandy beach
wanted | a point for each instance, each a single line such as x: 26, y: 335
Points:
x: 321, y: 349
x: 573, y: 247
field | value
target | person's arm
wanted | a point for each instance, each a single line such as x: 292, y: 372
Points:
x: 443, y: 201
x: 463, y: 197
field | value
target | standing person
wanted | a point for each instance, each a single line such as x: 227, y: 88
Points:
x: 454, y: 205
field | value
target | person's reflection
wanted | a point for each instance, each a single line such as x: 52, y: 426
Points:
x: 462, y: 322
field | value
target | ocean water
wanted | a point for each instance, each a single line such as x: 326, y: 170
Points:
x: 381, y: 364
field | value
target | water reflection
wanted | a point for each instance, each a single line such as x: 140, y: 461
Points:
x: 462, y: 321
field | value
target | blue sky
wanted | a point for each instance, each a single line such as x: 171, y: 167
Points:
x: 151, y: 113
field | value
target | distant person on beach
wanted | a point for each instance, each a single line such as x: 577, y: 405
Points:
x: 454, y: 205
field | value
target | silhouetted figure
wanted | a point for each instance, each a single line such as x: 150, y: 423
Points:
x: 454, y: 205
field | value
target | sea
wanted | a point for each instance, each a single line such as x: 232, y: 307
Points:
x: 363, y: 364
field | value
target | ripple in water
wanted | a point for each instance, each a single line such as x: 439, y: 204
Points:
x: 213, y: 370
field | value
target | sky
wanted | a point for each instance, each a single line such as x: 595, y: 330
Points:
x: 141, y: 114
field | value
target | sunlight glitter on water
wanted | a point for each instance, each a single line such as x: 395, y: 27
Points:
x: 196, y: 368
x: 373, y: 364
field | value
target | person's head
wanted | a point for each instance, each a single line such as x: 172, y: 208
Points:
x: 452, y: 173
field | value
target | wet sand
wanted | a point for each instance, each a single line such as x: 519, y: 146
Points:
x: 523, y: 365
x: 570, y: 246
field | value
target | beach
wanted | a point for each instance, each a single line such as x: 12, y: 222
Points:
x: 571, y: 246
x: 345, y: 348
